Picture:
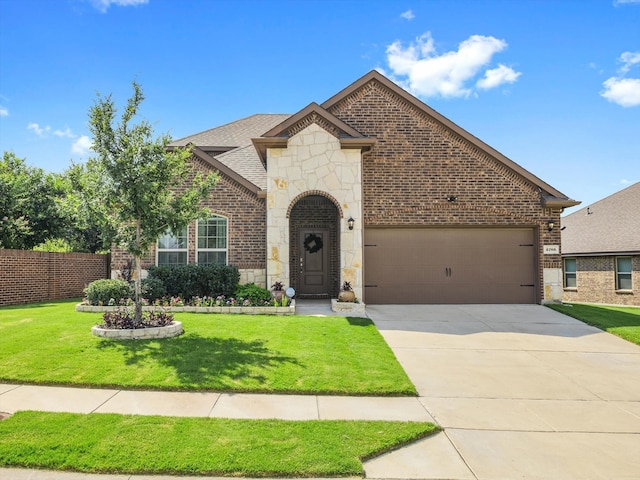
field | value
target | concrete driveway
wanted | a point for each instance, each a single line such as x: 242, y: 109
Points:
x: 521, y: 391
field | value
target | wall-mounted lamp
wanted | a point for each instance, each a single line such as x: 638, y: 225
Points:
x: 350, y: 222
x: 452, y: 198
x: 550, y: 225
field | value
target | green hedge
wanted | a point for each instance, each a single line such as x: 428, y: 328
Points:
x: 101, y: 292
x: 192, y: 280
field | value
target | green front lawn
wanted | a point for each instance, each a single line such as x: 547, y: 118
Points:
x: 51, y: 343
x: 126, y: 444
x: 621, y: 321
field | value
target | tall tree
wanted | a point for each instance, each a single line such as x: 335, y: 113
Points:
x: 136, y: 188
x: 29, y: 213
x: 82, y: 233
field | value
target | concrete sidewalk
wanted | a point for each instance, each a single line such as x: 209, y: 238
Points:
x: 213, y: 405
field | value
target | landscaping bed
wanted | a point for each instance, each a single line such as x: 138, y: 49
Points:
x: 246, y: 310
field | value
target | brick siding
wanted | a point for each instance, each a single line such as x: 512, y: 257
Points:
x: 246, y: 214
x: 417, y: 163
x: 27, y: 276
x: 596, y: 282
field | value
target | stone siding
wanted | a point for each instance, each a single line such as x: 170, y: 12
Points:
x: 417, y: 163
x: 314, y: 164
x: 596, y: 282
x: 27, y: 276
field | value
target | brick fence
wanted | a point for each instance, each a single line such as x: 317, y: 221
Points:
x: 27, y: 276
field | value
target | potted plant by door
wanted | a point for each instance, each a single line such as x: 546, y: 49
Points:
x: 346, y: 293
x: 277, y: 291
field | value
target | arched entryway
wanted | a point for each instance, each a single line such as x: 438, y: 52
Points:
x: 314, y: 250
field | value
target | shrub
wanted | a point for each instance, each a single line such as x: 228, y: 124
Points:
x: 188, y: 281
x: 54, y: 245
x: 252, y: 292
x: 152, y: 288
x: 101, y: 292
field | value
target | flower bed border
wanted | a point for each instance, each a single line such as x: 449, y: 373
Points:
x: 146, y: 333
x: 347, y: 307
x: 289, y: 310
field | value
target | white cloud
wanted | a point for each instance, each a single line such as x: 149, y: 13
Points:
x: 498, y: 76
x: 3, y: 111
x: 103, y: 5
x: 81, y: 146
x: 408, y: 15
x: 64, y: 133
x: 621, y: 2
x: 629, y: 59
x: 40, y: 131
x: 448, y: 74
x: 623, y: 91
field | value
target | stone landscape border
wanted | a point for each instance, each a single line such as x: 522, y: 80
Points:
x: 289, y: 310
x: 347, y: 307
x: 147, y: 333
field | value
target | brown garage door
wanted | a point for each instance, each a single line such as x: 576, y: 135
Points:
x: 449, y: 266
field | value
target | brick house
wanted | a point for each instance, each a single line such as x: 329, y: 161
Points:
x: 601, y: 250
x: 376, y: 188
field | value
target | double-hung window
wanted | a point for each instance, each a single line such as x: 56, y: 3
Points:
x: 623, y: 273
x: 570, y: 271
x: 212, y: 241
x: 172, y: 248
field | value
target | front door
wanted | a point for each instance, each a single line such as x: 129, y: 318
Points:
x: 314, y: 262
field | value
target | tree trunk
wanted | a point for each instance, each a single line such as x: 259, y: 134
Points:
x: 137, y: 285
x: 138, y: 281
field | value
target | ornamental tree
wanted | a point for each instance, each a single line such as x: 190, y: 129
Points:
x: 136, y: 189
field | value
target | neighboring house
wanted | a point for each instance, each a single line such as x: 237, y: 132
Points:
x: 601, y: 250
x: 376, y: 188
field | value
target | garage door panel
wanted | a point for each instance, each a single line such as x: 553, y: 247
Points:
x: 488, y: 265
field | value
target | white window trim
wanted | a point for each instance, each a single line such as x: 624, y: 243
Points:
x: 226, y: 250
x: 618, y: 272
x: 564, y: 273
x: 186, y: 249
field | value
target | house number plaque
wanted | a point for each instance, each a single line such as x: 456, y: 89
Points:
x: 551, y: 249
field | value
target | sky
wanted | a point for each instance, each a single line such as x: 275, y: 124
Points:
x: 553, y: 85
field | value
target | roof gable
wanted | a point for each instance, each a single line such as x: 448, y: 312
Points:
x: 608, y: 226
x: 550, y: 196
x: 313, y: 113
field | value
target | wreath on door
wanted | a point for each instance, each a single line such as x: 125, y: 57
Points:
x: 313, y: 243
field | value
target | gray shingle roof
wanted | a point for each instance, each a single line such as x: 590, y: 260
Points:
x: 246, y: 162
x: 234, y: 134
x: 235, y: 137
x: 610, y: 225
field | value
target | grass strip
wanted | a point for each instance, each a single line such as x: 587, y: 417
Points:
x: 130, y: 444
x: 621, y: 321
x: 51, y: 343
